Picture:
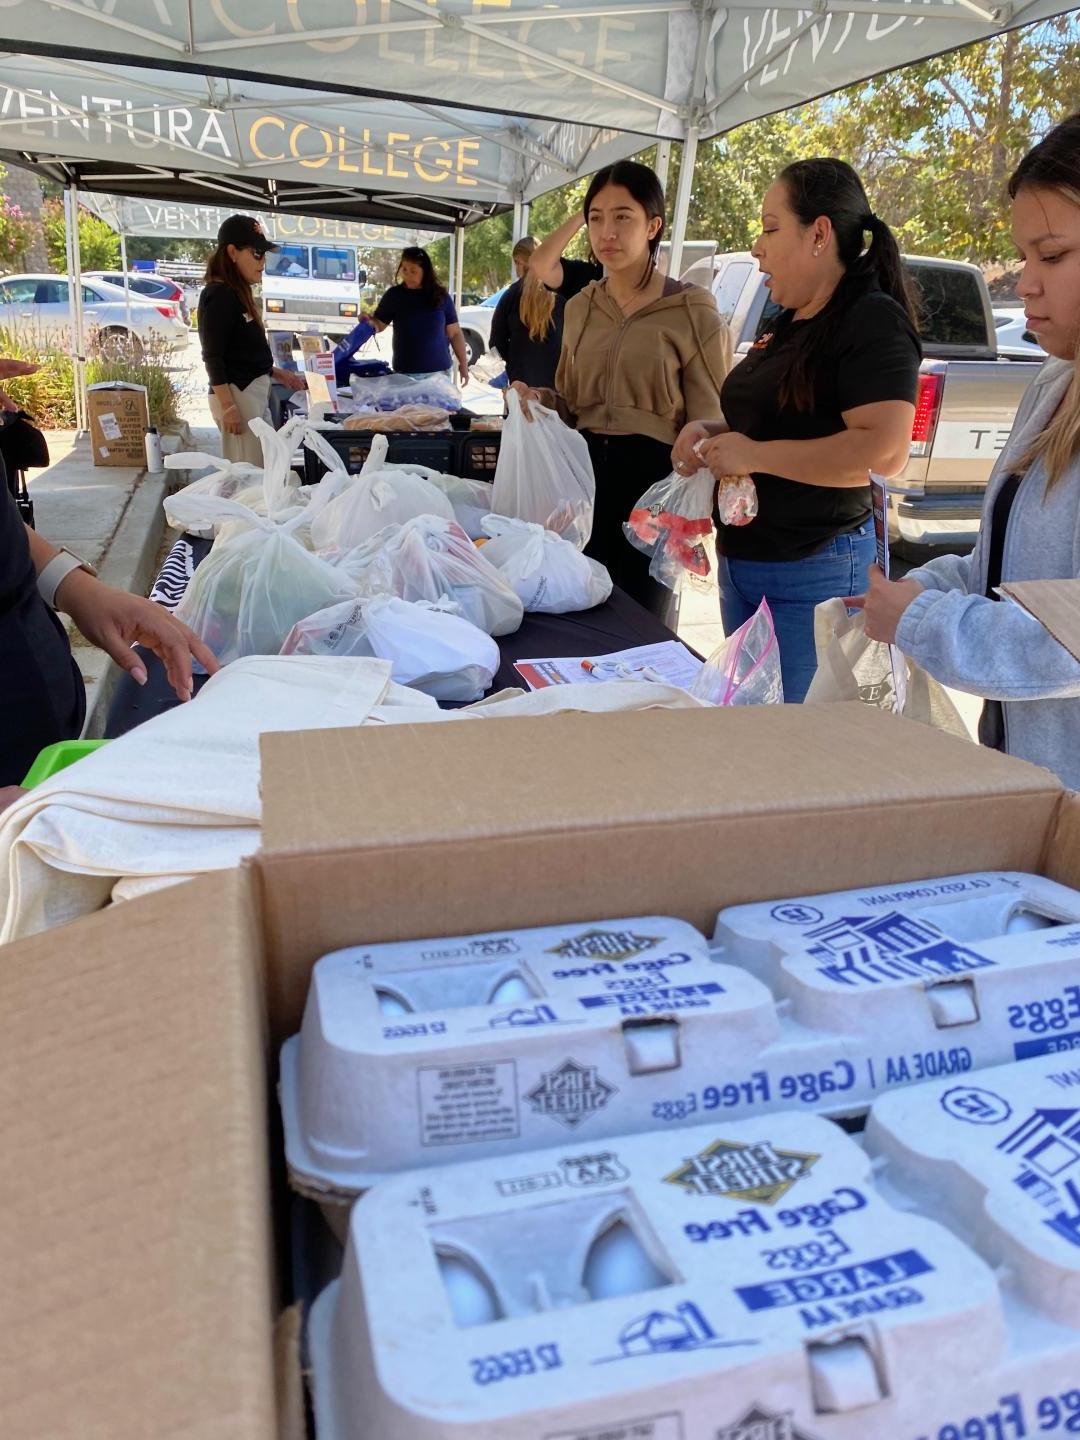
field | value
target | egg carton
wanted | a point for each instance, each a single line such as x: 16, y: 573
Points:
x: 425, y: 1053
x: 765, y: 1279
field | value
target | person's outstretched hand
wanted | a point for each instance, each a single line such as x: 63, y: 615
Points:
x: 114, y: 621
x: 883, y: 604
x: 10, y: 368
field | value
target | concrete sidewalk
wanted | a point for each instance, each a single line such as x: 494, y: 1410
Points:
x: 113, y: 517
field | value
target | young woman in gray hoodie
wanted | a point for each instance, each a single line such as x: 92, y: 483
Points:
x: 947, y: 615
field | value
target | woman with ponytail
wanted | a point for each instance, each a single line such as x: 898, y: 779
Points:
x: 827, y: 395
x: 947, y: 615
x: 526, y: 329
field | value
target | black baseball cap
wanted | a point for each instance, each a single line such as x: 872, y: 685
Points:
x: 244, y: 231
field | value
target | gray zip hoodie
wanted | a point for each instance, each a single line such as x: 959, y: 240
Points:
x: 993, y: 648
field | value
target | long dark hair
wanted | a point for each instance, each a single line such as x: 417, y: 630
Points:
x: 831, y: 187
x: 221, y: 270
x: 644, y: 185
x: 432, y: 291
x: 1054, y: 164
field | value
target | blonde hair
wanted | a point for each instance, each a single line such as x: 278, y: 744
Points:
x: 537, y: 303
x: 1054, y: 164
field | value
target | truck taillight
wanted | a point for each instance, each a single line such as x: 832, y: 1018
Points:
x: 927, y: 410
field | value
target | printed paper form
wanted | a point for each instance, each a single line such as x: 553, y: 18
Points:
x: 668, y: 662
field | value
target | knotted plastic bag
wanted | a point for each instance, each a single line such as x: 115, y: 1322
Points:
x: 256, y: 582
x: 548, y: 574
x: 673, y: 521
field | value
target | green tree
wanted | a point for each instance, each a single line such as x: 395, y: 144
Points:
x: 188, y: 251
x: 99, y: 245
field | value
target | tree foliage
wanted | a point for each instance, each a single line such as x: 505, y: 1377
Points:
x: 99, y: 245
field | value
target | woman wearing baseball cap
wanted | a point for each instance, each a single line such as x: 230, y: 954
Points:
x: 235, y: 349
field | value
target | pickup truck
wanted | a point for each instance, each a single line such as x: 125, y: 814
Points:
x: 967, y: 400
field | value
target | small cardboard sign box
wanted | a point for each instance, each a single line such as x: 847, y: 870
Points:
x: 118, y: 417
x: 140, y: 1045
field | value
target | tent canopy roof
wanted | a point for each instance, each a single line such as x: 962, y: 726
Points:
x: 650, y: 66
x: 177, y: 135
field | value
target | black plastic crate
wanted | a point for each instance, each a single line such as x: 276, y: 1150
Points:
x: 478, y: 454
x: 438, y: 451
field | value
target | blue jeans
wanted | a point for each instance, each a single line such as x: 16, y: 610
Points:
x: 793, y: 588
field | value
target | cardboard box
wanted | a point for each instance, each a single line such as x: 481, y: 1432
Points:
x: 118, y: 417
x: 139, y: 1047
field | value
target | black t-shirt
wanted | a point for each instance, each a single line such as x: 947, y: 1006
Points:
x: 235, y: 349
x: 576, y: 274
x: 420, y: 343
x: 875, y: 356
x: 42, y: 695
x: 532, y: 361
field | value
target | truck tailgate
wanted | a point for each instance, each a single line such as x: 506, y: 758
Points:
x: 977, y: 412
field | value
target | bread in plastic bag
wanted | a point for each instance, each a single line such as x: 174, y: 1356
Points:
x: 256, y: 582
x: 548, y: 574
x: 431, y: 647
x: 745, y: 668
x: 390, y: 392
x: 430, y: 557
x: 544, y: 473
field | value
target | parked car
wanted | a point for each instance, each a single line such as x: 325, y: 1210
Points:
x: 38, y: 307
x: 475, y: 322
x: 967, y: 399
x: 157, y: 288
x: 1014, y: 339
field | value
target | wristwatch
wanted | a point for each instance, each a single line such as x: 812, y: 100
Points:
x: 58, y: 569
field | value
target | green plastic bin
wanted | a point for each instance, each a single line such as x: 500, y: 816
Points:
x: 55, y: 758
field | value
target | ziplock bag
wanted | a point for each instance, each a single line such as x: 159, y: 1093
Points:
x: 544, y: 473
x: 430, y: 646
x: 429, y: 558
x: 548, y: 574
x: 389, y: 392
x: 745, y: 668
x: 256, y: 582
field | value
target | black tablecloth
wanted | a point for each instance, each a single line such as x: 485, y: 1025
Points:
x: 615, y: 625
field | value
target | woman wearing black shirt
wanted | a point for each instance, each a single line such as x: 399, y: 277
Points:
x: 824, y: 397
x: 527, y: 326
x: 235, y: 349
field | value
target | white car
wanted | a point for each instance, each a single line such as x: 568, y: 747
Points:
x: 1013, y: 337
x: 37, y: 307
x: 475, y: 322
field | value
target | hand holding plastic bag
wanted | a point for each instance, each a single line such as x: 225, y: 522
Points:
x: 672, y: 522
x: 745, y: 668
x: 544, y: 473
x: 548, y: 574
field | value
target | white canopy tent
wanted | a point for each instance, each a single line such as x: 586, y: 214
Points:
x: 665, y: 69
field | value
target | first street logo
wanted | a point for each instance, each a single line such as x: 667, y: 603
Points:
x: 757, y: 1172
x: 570, y: 1094
x: 759, y: 1424
x: 605, y: 945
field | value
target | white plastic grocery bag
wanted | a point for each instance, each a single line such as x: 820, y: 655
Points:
x: 428, y: 558
x: 544, y: 473
x: 374, y: 501
x: 256, y: 582
x: 851, y: 666
x: 548, y: 574
x: 227, y: 479
x: 471, y: 499
x: 745, y: 667
x: 431, y: 647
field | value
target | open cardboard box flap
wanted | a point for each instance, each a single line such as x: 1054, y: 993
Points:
x: 1055, y: 604
x: 137, y: 1059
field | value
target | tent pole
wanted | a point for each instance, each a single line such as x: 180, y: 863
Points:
x: 663, y: 161
x: 682, y: 198
x: 459, y: 264
x: 451, y: 264
x: 75, y: 310
x: 127, y: 280
x: 515, y: 224
x: 526, y: 212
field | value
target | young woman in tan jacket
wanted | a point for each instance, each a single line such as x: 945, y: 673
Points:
x: 641, y: 355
